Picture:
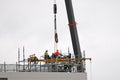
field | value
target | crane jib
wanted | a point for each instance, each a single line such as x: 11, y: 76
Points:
x: 73, y: 32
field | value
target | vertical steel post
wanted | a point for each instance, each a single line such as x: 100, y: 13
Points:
x: 84, y: 64
x: 18, y: 59
x: 23, y: 58
x: 4, y: 66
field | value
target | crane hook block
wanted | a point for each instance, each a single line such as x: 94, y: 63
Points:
x: 55, y: 8
x: 56, y: 37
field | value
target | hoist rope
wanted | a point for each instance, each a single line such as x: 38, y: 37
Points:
x: 54, y: 1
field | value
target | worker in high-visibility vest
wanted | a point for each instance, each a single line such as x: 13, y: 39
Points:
x: 46, y: 55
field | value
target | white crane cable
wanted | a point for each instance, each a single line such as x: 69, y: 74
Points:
x: 55, y: 25
x: 54, y: 1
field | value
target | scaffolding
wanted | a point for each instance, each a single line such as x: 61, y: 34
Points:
x: 45, y: 65
x: 61, y: 63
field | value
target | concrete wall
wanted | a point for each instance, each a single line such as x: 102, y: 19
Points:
x: 43, y: 76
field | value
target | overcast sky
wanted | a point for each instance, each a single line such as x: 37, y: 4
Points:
x: 29, y: 23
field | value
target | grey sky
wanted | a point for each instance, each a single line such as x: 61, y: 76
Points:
x: 29, y: 23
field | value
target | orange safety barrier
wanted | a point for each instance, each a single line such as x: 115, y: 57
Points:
x: 63, y: 59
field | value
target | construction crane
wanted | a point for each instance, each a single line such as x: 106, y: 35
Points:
x: 79, y: 59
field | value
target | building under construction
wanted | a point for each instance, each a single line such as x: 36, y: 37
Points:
x: 59, y: 67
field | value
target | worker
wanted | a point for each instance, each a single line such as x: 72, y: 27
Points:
x: 53, y: 55
x: 46, y: 55
x: 69, y: 55
x: 57, y: 53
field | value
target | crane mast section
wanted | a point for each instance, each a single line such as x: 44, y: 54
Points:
x: 73, y: 29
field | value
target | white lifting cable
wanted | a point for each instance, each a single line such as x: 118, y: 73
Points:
x: 55, y: 26
x: 54, y: 1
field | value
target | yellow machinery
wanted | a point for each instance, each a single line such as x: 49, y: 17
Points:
x: 32, y: 58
